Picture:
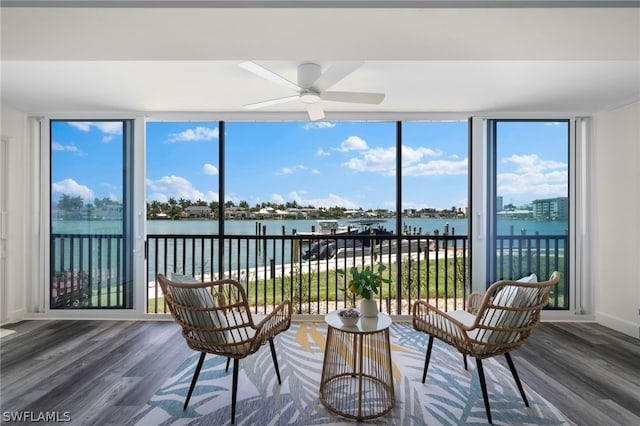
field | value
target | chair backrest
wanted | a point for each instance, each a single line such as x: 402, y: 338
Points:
x: 214, y: 316
x: 508, y: 313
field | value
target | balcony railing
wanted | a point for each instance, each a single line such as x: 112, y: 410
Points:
x: 87, y: 270
x: 304, y: 269
x: 519, y: 255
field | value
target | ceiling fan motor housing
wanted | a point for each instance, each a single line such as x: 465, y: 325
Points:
x: 308, y: 73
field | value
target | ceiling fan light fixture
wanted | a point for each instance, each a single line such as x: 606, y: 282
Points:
x: 309, y: 97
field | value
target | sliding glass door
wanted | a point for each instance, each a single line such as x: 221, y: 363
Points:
x: 529, y: 221
x: 91, y: 201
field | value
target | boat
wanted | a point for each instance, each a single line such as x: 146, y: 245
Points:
x: 327, y: 248
x: 327, y: 227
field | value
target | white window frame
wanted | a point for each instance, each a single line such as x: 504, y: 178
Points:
x: 580, y: 288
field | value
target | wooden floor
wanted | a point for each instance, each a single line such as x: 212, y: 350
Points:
x: 103, y: 372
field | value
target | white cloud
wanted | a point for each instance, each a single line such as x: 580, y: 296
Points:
x: 315, y: 171
x: 331, y: 200
x: 209, y: 169
x: 211, y: 196
x: 381, y: 160
x: 531, y: 163
x: 553, y: 184
x: 534, y: 177
x: 290, y: 170
x: 437, y: 168
x: 353, y: 143
x: 278, y: 199
x: 176, y: 187
x: 412, y: 155
x: 200, y: 133
x: 318, y: 125
x: 83, y: 126
x: 158, y: 196
x: 285, y: 171
x: 296, y: 196
x: 55, y: 146
x: 109, y: 127
x: 322, y: 153
x: 73, y: 189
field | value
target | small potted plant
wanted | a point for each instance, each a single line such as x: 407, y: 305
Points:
x: 365, y: 283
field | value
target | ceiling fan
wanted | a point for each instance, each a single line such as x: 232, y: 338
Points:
x: 312, y: 85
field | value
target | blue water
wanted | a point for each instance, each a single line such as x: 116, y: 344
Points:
x: 420, y: 225
x: 275, y: 227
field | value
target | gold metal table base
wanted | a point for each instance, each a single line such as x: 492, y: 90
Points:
x: 357, y: 379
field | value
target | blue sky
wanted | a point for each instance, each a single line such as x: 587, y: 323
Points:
x: 347, y: 164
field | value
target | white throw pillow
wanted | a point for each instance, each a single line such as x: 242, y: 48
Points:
x: 199, y: 297
x: 510, y: 296
x: 181, y: 278
x: 533, y: 278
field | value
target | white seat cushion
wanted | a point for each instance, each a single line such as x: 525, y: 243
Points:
x: 463, y: 316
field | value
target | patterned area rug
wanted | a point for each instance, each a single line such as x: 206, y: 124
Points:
x: 450, y: 396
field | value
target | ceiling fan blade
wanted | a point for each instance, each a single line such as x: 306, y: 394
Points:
x: 335, y: 73
x: 353, y: 97
x: 271, y: 102
x: 261, y: 71
x: 315, y: 111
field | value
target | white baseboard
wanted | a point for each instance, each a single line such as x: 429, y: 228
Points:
x: 15, y: 316
x: 618, y: 324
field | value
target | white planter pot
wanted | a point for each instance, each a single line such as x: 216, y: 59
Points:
x: 368, y: 308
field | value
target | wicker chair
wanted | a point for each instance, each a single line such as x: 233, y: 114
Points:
x: 495, y: 323
x: 216, y: 319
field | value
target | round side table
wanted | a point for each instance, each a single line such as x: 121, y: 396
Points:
x: 357, y: 380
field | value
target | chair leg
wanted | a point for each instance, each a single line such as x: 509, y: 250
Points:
x: 427, y: 358
x: 275, y: 360
x: 512, y: 367
x: 483, y: 386
x: 226, y: 369
x: 234, y: 390
x: 195, y: 379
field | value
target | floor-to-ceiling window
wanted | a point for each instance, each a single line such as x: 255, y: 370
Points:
x: 529, y: 201
x: 435, y: 173
x: 435, y: 201
x: 91, y: 218
x: 182, y: 198
x: 281, y: 177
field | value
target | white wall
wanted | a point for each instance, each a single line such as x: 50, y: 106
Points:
x: 21, y: 266
x: 615, y: 161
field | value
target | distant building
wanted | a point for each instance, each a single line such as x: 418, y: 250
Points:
x: 308, y: 212
x: 410, y: 212
x: 551, y: 208
x: 237, y: 213
x: 499, y: 206
x: 515, y: 214
x: 197, y: 211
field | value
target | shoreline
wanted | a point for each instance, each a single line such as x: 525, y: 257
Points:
x: 247, y: 275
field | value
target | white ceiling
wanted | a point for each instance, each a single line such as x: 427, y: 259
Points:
x: 182, y: 60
